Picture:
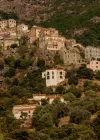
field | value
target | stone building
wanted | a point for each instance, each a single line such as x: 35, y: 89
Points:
x: 52, y: 42
x: 34, y: 33
x: 6, y: 42
x: 10, y: 23
x: 3, y: 24
x: 22, y: 29
x: 73, y: 54
x: 92, y: 53
x: 54, y: 76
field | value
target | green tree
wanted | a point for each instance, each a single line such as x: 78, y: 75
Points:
x: 58, y: 59
x: 41, y: 63
x: 97, y: 76
x: 10, y: 72
x: 69, y: 97
x: 60, y: 90
x: 84, y: 72
x: 78, y: 115
x: 73, y: 80
x: 23, y: 40
x: 75, y: 91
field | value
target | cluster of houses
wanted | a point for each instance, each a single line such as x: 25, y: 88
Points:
x: 49, y: 39
x: 10, y: 32
x: 25, y: 111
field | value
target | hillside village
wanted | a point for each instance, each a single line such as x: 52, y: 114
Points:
x: 38, y: 67
x: 48, y: 42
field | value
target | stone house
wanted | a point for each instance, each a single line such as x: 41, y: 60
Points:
x: 73, y: 54
x: 52, y: 42
x: 92, y: 52
x: 22, y: 29
x: 3, y: 24
x: 54, y: 76
x: 6, y: 42
x: 34, y: 33
x: 25, y: 109
x: 10, y: 23
x: 94, y: 65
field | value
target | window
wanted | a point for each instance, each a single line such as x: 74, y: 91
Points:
x: 96, y: 62
x: 96, y: 66
x: 48, y: 77
x: 60, y: 72
x: 48, y: 73
x: 52, y: 76
x: 61, y: 77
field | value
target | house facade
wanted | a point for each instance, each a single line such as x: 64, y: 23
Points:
x: 35, y: 31
x: 53, y: 76
x: 73, y: 54
x: 27, y: 110
x: 92, y: 52
x: 52, y: 42
x: 94, y: 65
x: 10, y: 23
x: 22, y: 29
x: 3, y: 24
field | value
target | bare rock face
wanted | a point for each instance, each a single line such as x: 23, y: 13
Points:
x: 25, y: 9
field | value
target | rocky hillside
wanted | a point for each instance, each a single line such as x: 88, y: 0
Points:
x: 79, y: 19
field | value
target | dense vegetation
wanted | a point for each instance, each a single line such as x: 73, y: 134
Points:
x: 76, y: 15
x: 76, y: 118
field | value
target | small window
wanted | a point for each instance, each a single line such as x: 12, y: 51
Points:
x: 52, y: 77
x: 52, y: 72
x: 48, y: 77
x: 48, y: 73
x: 96, y: 66
x: 96, y: 62
x: 61, y: 77
x: 61, y: 73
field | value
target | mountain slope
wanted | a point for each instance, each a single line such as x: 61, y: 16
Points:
x: 79, y: 19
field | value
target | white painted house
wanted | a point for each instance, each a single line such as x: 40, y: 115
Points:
x: 53, y: 76
x: 94, y: 65
x: 25, y: 108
